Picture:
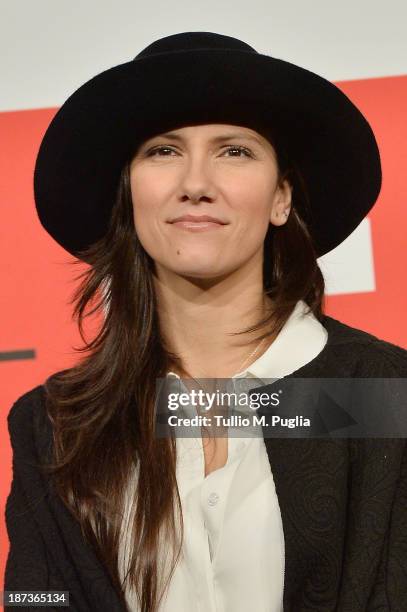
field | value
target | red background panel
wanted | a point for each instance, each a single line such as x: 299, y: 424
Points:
x: 37, y: 282
x: 383, y: 312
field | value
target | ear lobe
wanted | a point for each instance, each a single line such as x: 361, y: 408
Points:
x: 281, y: 208
x: 279, y: 215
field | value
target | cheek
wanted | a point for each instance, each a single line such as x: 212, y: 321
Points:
x: 252, y: 205
x: 254, y: 222
x: 250, y: 235
x: 146, y: 198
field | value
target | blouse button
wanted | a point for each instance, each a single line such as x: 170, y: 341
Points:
x: 213, y: 499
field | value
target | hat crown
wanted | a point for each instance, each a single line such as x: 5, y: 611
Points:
x: 188, y: 41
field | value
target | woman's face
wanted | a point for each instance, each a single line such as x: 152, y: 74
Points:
x: 227, y: 172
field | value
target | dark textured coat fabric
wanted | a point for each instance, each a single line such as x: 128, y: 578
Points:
x: 343, y: 504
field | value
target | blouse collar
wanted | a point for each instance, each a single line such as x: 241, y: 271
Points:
x: 300, y: 340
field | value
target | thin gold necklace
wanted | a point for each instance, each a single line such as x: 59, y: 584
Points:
x: 247, y: 358
x: 251, y: 354
x: 244, y: 362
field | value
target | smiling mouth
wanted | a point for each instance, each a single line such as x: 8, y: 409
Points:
x: 197, y: 226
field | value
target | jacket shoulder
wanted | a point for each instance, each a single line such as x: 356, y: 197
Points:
x: 31, y: 402
x: 376, y: 357
x: 28, y: 421
x: 22, y: 420
x: 22, y: 409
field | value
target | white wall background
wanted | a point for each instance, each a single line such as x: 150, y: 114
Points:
x: 50, y: 47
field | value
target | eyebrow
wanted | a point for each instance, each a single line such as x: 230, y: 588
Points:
x: 215, y: 139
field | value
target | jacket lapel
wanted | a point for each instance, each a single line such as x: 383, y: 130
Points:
x: 310, y: 477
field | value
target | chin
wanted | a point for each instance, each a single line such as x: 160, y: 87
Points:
x: 201, y: 273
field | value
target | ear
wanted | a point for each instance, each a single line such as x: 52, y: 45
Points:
x: 281, y: 205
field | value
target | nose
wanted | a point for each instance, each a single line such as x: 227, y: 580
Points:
x: 196, y: 182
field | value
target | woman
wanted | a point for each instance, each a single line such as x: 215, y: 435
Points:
x: 201, y: 124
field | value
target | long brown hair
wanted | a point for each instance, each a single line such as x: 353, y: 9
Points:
x: 103, y: 409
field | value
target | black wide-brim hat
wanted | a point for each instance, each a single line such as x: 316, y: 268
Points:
x: 195, y: 78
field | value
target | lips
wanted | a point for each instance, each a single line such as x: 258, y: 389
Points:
x: 198, y: 219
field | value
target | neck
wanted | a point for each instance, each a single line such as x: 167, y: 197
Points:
x: 197, y: 320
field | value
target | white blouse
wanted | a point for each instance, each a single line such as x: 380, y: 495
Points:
x: 233, y: 552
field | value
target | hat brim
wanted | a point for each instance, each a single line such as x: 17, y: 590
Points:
x: 99, y: 126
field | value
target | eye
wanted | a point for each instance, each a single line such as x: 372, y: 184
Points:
x: 229, y: 148
x: 240, y: 149
x: 157, y: 149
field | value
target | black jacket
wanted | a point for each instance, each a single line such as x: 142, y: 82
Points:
x: 343, y: 504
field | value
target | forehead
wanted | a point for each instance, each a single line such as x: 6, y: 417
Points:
x: 212, y: 132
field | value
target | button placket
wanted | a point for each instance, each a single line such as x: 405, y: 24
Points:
x: 213, y: 498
